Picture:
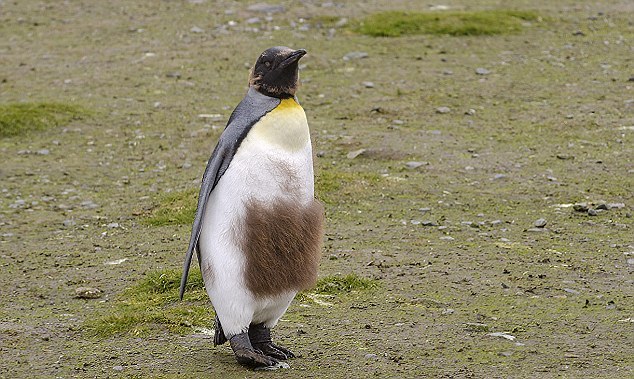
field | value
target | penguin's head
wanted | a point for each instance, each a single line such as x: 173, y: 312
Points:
x: 276, y: 72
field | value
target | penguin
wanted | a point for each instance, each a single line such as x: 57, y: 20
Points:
x: 258, y: 228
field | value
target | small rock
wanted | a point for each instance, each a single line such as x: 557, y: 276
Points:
x: 266, y: 8
x: 580, y: 207
x: 615, y: 205
x: 424, y: 210
x: 603, y: 207
x: 113, y: 225
x: 505, y: 353
x: 370, y: 356
x: 499, y: 176
x: 253, y: 20
x: 87, y: 293
x: 43, y: 152
x: 173, y: 74
x: 447, y: 238
x: 448, y: 311
x: 118, y: 368
x: 414, y: 164
x: 355, y: 55
x: 88, y: 204
x: 592, y: 212
x: 570, y: 290
x: 196, y: 29
x: 470, y: 112
x: 540, y: 223
x: 443, y: 110
x: 482, y: 71
x: 69, y: 222
x: 356, y: 153
x: 368, y: 84
x: 565, y: 157
x: 428, y: 223
x: 398, y: 122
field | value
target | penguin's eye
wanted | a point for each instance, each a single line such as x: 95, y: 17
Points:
x: 267, y: 64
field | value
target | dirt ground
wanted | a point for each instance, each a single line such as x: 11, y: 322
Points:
x: 449, y: 166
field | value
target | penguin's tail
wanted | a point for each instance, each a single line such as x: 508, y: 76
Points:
x: 219, y: 335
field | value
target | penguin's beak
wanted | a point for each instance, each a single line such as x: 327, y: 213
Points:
x: 293, y: 57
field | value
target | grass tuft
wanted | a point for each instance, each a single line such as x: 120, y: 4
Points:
x: 332, y: 285
x: 176, y: 208
x: 491, y: 22
x: 154, y: 302
x: 22, y: 118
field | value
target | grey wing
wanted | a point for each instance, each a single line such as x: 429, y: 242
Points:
x: 216, y: 166
x: 246, y: 114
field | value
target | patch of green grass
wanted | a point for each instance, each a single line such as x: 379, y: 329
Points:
x: 491, y: 22
x: 154, y: 301
x: 21, y: 118
x: 332, y: 285
x: 176, y: 208
x: 333, y: 186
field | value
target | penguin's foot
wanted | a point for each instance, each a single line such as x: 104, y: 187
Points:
x: 247, y: 355
x: 260, y: 337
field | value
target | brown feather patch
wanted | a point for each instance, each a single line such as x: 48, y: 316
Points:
x: 282, y: 245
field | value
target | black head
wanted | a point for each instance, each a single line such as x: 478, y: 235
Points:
x: 276, y: 72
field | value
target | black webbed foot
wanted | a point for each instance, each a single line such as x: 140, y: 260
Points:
x: 260, y: 337
x: 247, y: 355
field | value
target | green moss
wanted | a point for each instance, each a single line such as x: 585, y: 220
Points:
x: 21, y: 118
x: 334, y: 186
x: 154, y: 302
x: 337, y: 284
x: 176, y: 208
x: 397, y: 23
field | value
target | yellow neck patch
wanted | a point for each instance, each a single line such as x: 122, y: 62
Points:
x: 285, y: 126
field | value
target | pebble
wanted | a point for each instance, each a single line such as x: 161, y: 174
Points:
x: 414, y: 164
x: 616, y: 205
x: 470, y: 112
x: 476, y: 327
x: 368, y: 84
x: 355, y: 153
x: 355, y: 55
x: 592, y: 212
x: 253, y: 20
x: 447, y: 238
x: 448, y: 311
x: 196, y: 29
x: 118, y: 368
x: 398, y: 122
x: 69, y: 222
x: 424, y: 210
x: 43, y: 152
x: 88, y: 204
x: 482, y: 71
x: 173, y: 74
x: 580, y: 207
x: 499, y: 176
x: 443, y: 110
x: 88, y: 293
x: 371, y: 356
x: 113, y: 225
x: 540, y: 223
x: 428, y: 223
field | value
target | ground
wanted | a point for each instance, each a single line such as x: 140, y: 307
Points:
x: 478, y: 185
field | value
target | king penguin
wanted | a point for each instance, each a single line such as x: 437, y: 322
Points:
x: 258, y: 227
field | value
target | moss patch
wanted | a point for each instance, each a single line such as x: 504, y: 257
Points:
x: 154, y: 302
x: 332, y: 285
x: 176, y: 208
x: 21, y: 118
x: 397, y: 23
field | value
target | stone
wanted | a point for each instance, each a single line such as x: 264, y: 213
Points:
x: 355, y: 55
x: 540, y: 223
x: 88, y: 293
x: 482, y: 71
x: 443, y: 110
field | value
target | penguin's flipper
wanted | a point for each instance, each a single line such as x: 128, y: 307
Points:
x: 250, y: 110
x: 219, y: 334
